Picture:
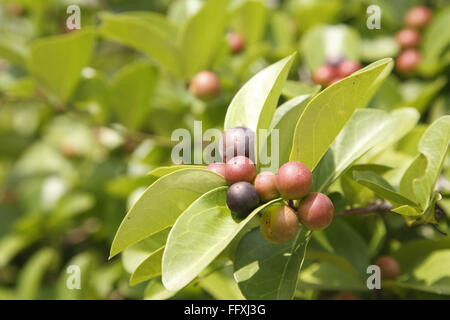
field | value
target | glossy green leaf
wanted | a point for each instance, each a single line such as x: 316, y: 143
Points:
x: 162, y: 203
x: 149, y: 268
x: 328, y: 112
x: 327, y: 276
x: 255, y: 103
x: 342, y: 239
x: 199, y: 235
x: 149, y: 32
x: 156, y: 291
x: 58, y: 61
x: 366, y: 129
x: 293, y: 89
x: 265, y: 270
x: 162, y: 171
x: 201, y: 36
x: 284, y: 120
x: 220, y: 283
x: 381, y: 187
x: 134, y: 256
x: 419, y: 180
x: 132, y: 88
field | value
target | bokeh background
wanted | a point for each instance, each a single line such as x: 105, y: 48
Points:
x: 85, y: 115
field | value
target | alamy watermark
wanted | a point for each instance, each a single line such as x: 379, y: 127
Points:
x: 73, y: 281
x: 374, y: 18
x: 209, y: 147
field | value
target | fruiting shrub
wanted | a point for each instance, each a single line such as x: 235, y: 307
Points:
x: 294, y: 180
x: 316, y: 211
x: 279, y: 223
x: 242, y: 198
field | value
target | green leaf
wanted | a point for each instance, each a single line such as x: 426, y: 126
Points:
x: 149, y: 268
x: 324, y: 42
x: 201, y: 36
x: 255, y: 103
x: 156, y: 291
x: 135, y: 255
x: 378, y: 48
x: 265, y: 270
x: 13, y: 51
x: 147, y: 32
x: 284, y: 120
x: 436, y: 37
x: 327, y: 276
x: 420, y: 94
x: 366, y: 129
x: 401, y: 122
x: 162, y: 203
x: 424, y: 266
x: 220, y: 283
x: 162, y: 171
x: 342, y: 239
x: 132, y: 89
x: 328, y: 112
x: 420, y: 178
x: 31, y: 275
x: 381, y: 187
x: 293, y: 89
x: 199, y: 235
x: 58, y: 61
x: 249, y: 19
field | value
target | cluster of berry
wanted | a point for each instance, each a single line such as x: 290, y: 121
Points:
x: 333, y: 71
x: 248, y: 190
x: 409, y: 38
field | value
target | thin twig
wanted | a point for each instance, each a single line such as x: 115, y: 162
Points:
x: 377, y: 207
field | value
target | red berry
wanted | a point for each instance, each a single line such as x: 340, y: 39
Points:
x: 408, y: 60
x: 324, y: 74
x: 217, y: 167
x: 347, y: 67
x: 389, y: 267
x: 236, y: 42
x: 265, y: 184
x: 407, y: 38
x: 294, y: 180
x: 316, y: 211
x: 205, y: 85
x: 279, y: 223
x: 239, y: 169
x: 418, y: 17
